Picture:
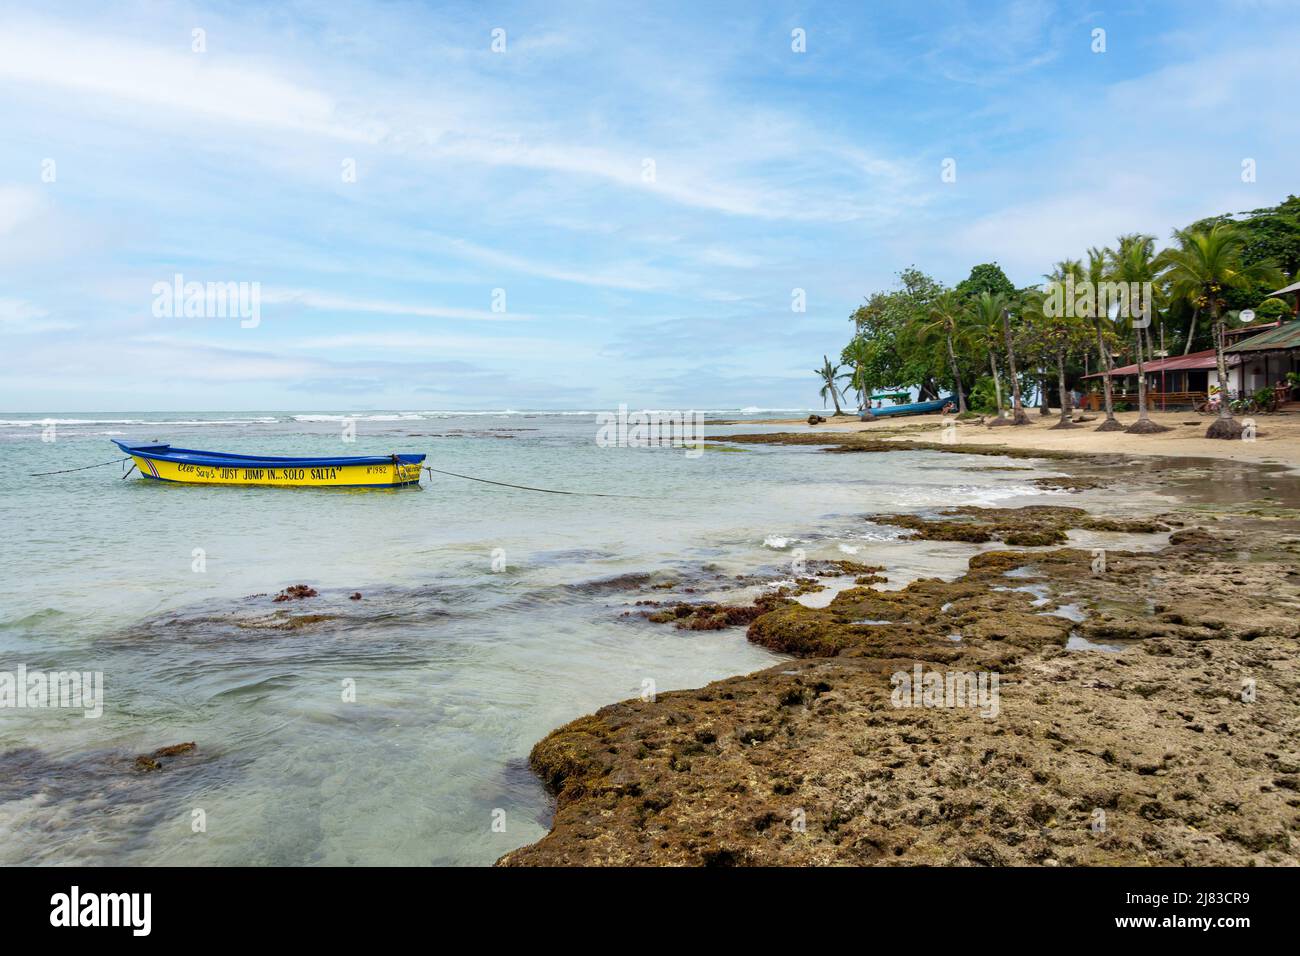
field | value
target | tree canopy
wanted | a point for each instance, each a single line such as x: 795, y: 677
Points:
x: 986, y: 277
x: 890, y: 356
x: 922, y: 335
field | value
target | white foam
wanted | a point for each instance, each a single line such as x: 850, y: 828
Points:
x: 43, y: 422
x: 954, y: 495
x: 402, y: 417
x: 875, y: 532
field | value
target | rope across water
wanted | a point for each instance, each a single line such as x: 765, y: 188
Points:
x: 549, y: 491
x: 64, y: 471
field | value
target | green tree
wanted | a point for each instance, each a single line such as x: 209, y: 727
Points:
x: 992, y: 293
x: 1018, y: 416
x: 1204, y: 267
x: 986, y: 277
x: 1272, y: 310
x: 1060, y: 331
x: 1134, y: 264
x: 892, y: 356
x: 993, y: 312
x: 948, y: 319
x: 857, y: 356
x: 829, y: 375
x: 1105, y: 335
x: 1269, y: 235
x: 987, y: 324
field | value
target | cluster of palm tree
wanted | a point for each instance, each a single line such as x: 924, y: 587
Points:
x: 1196, y: 271
x: 1203, y: 266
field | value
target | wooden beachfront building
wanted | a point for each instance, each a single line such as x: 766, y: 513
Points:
x: 1257, y: 356
x: 1179, y: 381
x: 1265, y: 359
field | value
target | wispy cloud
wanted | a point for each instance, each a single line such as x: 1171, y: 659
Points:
x: 171, y: 84
x: 646, y: 184
x: 308, y: 299
x: 18, y: 317
x: 633, y: 276
x: 172, y: 81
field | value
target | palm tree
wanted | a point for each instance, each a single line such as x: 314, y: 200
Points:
x: 1206, y: 264
x: 1134, y: 263
x: 1097, y: 259
x: 1018, y: 416
x: 947, y: 316
x: 1063, y: 332
x: 856, y: 355
x: 829, y: 375
x: 988, y: 327
x: 1191, y: 328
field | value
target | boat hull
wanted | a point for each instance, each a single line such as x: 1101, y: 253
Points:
x: 332, y: 476
x: 913, y: 408
x: 202, y: 468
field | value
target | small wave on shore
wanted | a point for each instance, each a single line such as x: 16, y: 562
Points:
x: 185, y: 422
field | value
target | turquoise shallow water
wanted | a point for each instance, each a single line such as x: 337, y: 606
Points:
x: 458, y: 668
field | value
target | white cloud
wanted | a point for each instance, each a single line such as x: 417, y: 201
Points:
x: 985, y: 45
x: 1142, y: 158
x: 464, y: 121
x: 182, y: 83
x: 729, y: 258
x: 18, y: 206
x: 469, y: 346
x: 631, y: 276
x: 341, y: 303
x: 20, y: 317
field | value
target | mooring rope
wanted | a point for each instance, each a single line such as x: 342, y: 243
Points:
x: 549, y: 491
x: 64, y: 471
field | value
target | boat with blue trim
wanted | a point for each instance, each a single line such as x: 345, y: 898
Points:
x: 191, y: 466
x: 915, y: 408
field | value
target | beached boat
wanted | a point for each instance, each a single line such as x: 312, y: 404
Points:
x: 914, y: 408
x: 189, y: 466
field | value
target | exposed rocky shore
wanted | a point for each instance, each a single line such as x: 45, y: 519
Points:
x: 1147, y: 712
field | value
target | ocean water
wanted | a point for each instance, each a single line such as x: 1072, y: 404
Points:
x: 488, y: 617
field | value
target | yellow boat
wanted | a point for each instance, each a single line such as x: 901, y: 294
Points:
x: 189, y: 466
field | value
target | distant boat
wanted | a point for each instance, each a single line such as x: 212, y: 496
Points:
x: 914, y: 408
x: 188, y: 466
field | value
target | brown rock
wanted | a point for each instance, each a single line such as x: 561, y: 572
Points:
x: 1149, y: 756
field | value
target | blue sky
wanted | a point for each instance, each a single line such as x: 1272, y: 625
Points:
x: 525, y: 171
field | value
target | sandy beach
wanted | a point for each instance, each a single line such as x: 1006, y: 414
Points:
x: 1277, y: 436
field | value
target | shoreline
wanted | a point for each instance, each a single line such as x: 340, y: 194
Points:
x: 1277, y: 437
x: 809, y: 762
